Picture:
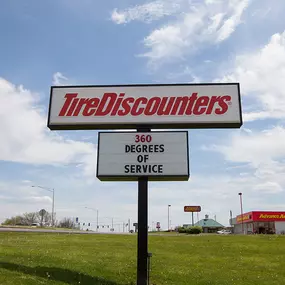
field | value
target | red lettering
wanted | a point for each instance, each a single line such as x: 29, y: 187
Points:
x: 68, y: 99
x: 126, y: 106
x: 192, y: 100
x: 201, y: 105
x: 117, y: 105
x: 183, y: 101
x: 103, y: 108
x: 152, y: 106
x: 224, y: 106
x: 161, y: 111
x: 138, y: 111
x: 72, y: 107
x: 82, y: 102
x: 113, y: 105
x: 90, y: 107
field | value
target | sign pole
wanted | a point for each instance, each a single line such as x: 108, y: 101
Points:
x: 142, y: 245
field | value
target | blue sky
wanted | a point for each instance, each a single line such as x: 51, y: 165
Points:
x: 46, y: 43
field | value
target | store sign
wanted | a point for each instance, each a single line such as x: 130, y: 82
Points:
x: 261, y: 216
x: 156, y: 106
x: 245, y: 218
x: 192, y: 208
x: 269, y: 216
x: 126, y: 156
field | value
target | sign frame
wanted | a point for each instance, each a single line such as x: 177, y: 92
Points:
x: 136, y: 177
x: 198, y: 209
x: 168, y: 125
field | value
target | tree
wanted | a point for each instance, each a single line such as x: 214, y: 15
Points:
x: 30, y: 218
x: 27, y: 219
x: 67, y: 223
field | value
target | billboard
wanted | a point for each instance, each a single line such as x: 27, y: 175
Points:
x: 126, y: 156
x: 176, y: 106
x: 192, y: 208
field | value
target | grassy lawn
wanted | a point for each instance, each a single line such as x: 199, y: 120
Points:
x: 39, y: 258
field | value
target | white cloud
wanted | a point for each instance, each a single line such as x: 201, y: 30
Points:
x: 264, y: 153
x: 210, y: 22
x: 40, y: 199
x: 27, y: 138
x: 147, y: 12
x: 59, y: 79
x: 261, y: 74
x: 256, y: 148
x: 268, y: 187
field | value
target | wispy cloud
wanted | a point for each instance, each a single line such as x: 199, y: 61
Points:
x: 147, y: 12
x: 196, y: 25
x: 59, y: 79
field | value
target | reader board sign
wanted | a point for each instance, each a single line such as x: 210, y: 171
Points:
x: 192, y: 208
x: 126, y: 156
x: 170, y: 106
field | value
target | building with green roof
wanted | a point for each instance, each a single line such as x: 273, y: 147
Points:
x: 208, y: 225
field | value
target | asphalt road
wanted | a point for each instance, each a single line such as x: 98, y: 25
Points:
x: 52, y: 231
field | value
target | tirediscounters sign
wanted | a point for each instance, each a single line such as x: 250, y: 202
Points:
x: 126, y: 156
x: 192, y: 208
x: 155, y: 106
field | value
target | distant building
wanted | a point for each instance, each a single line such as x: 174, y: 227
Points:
x: 259, y: 222
x: 208, y: 225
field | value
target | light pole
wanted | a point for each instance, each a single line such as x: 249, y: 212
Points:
x: 50, y: 190
x: 241, y: 212
x: 168, y: 215
x: 97, y: 217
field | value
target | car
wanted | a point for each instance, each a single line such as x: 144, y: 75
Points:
x: 224, y: 232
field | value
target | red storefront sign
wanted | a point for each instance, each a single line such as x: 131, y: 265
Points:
x: 261, y: 216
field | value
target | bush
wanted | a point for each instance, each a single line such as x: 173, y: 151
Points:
x: 181, y: 230
x: 194, y: 230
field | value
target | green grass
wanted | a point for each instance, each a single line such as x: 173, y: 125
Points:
x: 39, y: 258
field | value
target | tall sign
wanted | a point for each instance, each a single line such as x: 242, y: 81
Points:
x: 192, y: 209
x: 145, y: 155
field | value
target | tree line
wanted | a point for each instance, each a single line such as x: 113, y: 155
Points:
x: 43, y: 219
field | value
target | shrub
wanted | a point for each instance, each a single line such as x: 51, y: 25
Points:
x: 194, y: 230
x: 181, y: 230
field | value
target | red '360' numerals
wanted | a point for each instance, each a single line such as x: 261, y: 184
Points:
x: 143, y: 138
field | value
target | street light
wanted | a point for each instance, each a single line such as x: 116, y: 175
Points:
x: 97, y: 217
x: 241, y: 212
x: 168, y: 215
x: 50, y: 190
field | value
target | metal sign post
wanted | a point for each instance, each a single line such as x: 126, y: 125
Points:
x: 142, y: 245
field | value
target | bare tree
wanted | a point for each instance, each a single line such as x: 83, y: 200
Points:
x: 30, y: 218
x: 67, y: 223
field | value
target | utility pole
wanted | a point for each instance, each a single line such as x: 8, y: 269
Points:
x: 241, y: 212
x: 97, y: 221
x: 168, y: 216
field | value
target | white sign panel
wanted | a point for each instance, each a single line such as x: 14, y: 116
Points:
x: 126, y: 156
x: 155, y: 106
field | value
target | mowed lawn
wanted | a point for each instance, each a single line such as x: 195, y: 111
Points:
x: 40, y: 258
